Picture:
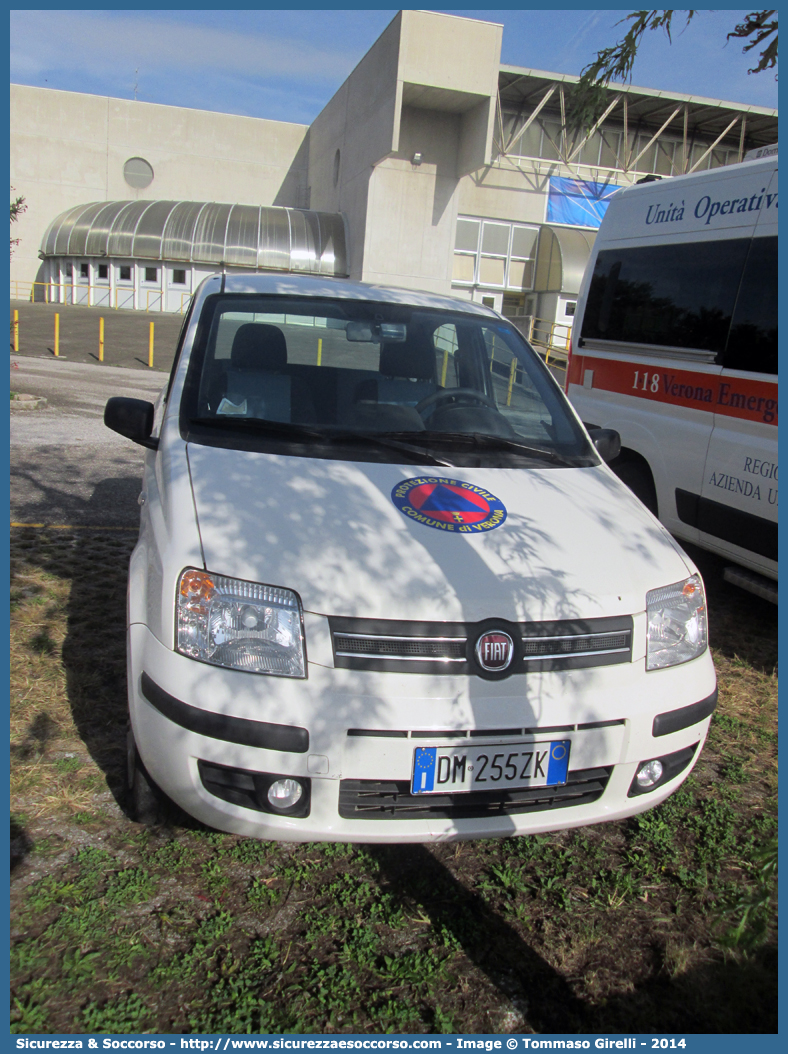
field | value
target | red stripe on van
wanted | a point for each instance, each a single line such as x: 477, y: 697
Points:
x: 751, y: 400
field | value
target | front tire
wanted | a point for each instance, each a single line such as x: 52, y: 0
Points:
x: 639, y: 481
x: 145, y: 800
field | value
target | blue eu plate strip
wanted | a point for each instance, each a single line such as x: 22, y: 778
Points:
x: 424, y: 770
x: 558, y: 764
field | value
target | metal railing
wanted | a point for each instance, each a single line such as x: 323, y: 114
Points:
x: 551, y: 339
x: 75, y: 294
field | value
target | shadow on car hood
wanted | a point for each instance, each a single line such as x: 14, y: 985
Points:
x: 545, y: 543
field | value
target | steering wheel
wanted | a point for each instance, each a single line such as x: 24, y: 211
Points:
x: 449, y: 393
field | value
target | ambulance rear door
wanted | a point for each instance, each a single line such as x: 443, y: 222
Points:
x: 736, y: 513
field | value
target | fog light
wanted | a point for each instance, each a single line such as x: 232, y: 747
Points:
x: 647, y: 775
x: 284, y: 794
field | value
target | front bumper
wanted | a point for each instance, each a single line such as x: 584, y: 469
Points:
x: 351, y: 735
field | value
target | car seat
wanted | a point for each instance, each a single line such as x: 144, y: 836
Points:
x: 255, y: 385
x: 406, y: 376
x: 407, y: 372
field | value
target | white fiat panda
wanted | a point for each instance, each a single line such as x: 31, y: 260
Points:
x: 386, y: 588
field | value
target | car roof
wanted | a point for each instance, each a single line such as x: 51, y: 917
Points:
x: 339, y: 289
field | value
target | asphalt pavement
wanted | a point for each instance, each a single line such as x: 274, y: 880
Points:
x: 126, y: 335
x: 67, y: 468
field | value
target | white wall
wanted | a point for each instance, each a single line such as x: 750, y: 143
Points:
x: 69, y: 149
x: 428, y: 84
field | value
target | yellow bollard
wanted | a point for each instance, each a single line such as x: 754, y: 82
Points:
x: 101, y: 340
x: 150, y: 347
x: 445, y: 364
x: 16, y: 331
x: 319, y: 349
x: 57, y: 334
x: 512, y: 373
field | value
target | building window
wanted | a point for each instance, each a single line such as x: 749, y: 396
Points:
x: 138, y: 173
x: 103, y: 271
x: 609, y: 154
x: 467, y: 238
x: 495, y: 249
x: 496, y: 253
x: 124, y: 273
x: 571, y: 307
x: 495, y: 239
x: 179, y: 276
x: 463, y: 269
x: 491, y: 271
x: 552, y: 140
x: 523, y: 257
x: 84, y: 270
x: 466, y: 246
x: 151, y: 274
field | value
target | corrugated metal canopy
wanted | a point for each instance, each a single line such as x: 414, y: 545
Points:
x: 258, y: 237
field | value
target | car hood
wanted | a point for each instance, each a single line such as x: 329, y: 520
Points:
x: 574, y: 542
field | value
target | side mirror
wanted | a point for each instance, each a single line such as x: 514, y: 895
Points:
x: 607, y: 442
x: 132, y: 418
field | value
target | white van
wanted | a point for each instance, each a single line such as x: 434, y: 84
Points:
x: 386, y: 589
x: 675, y: 346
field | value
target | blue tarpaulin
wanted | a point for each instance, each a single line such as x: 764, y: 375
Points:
x: 578, y: 202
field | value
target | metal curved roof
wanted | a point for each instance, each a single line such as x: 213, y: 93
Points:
x: 258, y: 237
x: 561, y: 259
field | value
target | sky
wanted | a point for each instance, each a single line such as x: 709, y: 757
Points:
x: 286, y: 65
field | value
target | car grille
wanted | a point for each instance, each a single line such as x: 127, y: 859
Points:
x: 392, y: 800
x: 447, y: 647
x: 349, y: 645
x: 558, y: 647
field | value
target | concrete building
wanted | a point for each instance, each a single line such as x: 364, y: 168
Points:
x: 433, y: 167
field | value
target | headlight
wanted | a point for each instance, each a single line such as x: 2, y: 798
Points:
x: 677, y: 630
x: 241, y: 625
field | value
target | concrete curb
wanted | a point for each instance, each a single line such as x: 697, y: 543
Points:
x: 20, y: 401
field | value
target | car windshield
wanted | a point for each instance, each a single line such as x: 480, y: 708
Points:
x: 385, y: 381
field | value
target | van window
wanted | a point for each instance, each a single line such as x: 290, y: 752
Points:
x: 752, y: 344
x: 678, y: 295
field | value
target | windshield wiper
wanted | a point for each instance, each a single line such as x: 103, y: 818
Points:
x: 384, y: 439
x: 484, y: 441
x: 301, y: 432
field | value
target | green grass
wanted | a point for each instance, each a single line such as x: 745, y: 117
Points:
x: 665, y: 922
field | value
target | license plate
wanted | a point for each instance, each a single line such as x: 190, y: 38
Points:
x: 457, y: 770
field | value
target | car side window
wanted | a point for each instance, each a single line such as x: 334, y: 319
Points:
x: 514, y: 390
x: 445, y: 340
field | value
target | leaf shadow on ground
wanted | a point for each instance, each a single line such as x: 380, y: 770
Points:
x: 494, y: 947
x: 736, y: 996
x: 95, y: 562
